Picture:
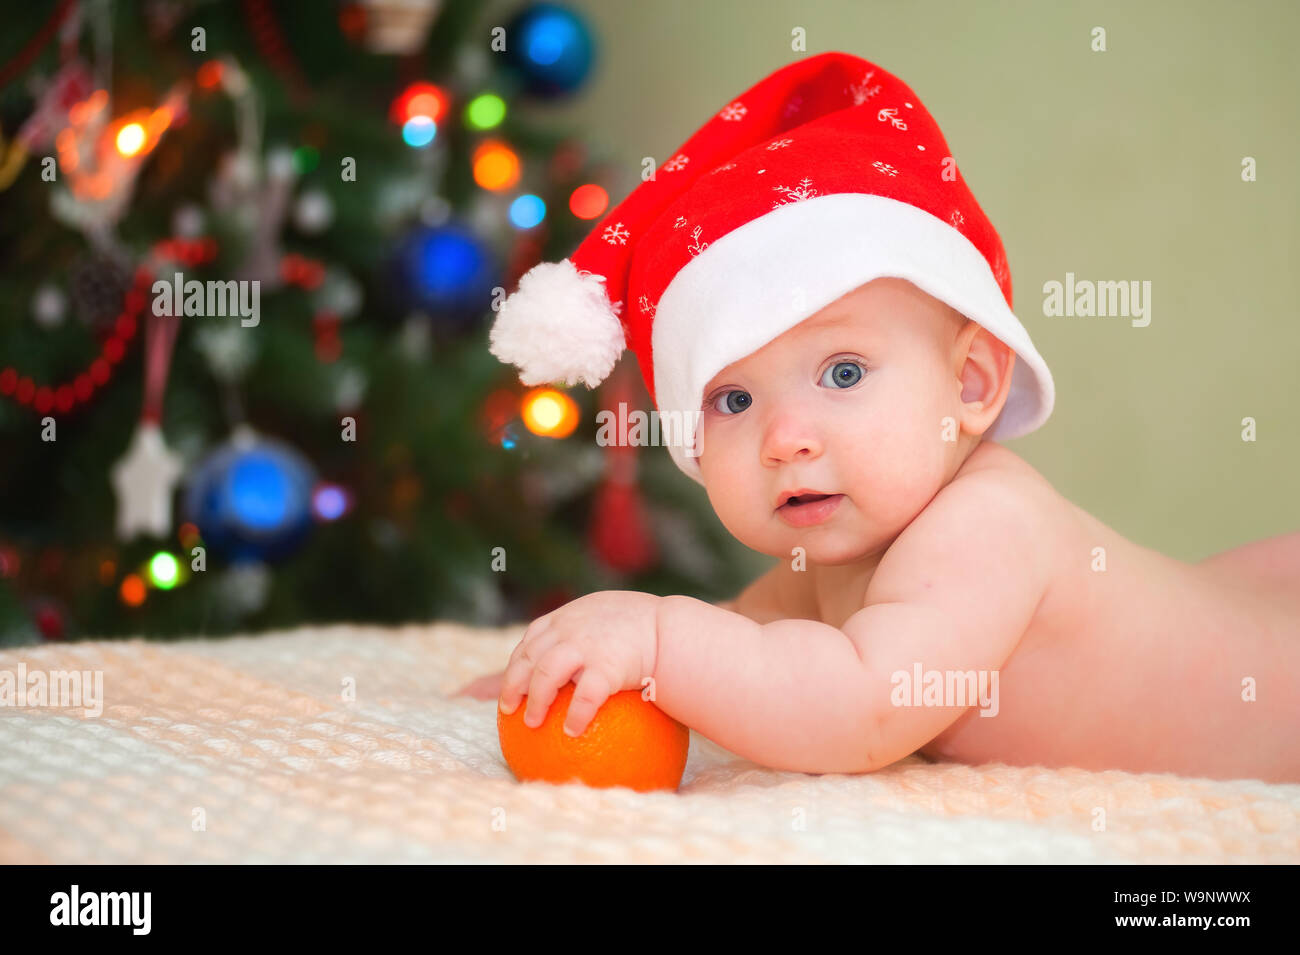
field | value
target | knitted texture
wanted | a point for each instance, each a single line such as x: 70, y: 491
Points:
x: 255, y: 732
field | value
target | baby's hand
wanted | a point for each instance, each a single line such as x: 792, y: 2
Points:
x: 605, y: 642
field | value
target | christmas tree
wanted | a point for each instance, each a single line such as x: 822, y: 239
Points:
x: 251, y: 252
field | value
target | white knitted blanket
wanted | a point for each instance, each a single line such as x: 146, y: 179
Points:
x: 247, y: 750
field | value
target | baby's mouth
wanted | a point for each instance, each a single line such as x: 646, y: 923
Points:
x: 807, y: 499
x: 807, y: 510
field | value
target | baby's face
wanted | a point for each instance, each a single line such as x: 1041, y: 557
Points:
x: 849, y: 402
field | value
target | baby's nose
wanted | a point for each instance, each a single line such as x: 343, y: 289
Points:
x: 790, y: 438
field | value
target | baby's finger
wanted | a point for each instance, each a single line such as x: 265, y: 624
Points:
x: 538, y: 625
x: 553, y: 670
x: 593, y: 689
x: 519, y: 670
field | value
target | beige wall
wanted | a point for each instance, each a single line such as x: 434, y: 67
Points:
x: 1114, y: 166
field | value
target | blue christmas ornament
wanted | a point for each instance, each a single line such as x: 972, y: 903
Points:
x: 551, y: 47
x: 449, y: 271
x: 251, y: 499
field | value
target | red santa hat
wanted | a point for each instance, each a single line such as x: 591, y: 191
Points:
x: 823, y: 176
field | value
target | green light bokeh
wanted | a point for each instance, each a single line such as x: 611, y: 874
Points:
x: 163, y: 570
x: 485, y: 111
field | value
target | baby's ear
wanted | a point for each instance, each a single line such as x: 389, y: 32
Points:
x: 984, y: 373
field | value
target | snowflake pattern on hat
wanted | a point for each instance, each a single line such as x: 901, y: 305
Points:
x: 862, y: 90
x: 890, y: 114
x: 796, y: 193
x: 696, y: 246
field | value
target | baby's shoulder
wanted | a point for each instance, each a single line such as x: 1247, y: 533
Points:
x: 997, y: 502
x: 986, y: 540
x: 991, y: 467
x: 995, y: 480
x: 991, y: 458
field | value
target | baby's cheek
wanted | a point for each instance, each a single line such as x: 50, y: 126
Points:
x: 728, y: 489
x: 899, y: 478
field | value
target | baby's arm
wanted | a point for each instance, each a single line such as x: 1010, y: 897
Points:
x: 955, y: 592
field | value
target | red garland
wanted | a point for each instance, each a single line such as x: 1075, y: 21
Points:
x: 270, y: 41
x: 308, y: 274
x: 63, y: 398
x: 34, y: 46
x: 301, y: 271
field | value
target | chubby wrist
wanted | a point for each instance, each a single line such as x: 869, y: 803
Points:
x: 692, y: 636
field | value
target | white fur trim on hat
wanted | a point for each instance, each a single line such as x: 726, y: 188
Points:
x: 558, y: 326
x: 768, y: 275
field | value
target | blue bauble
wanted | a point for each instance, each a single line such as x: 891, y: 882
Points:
x: 551, y: 47
x: 251, y: 499
x: 449, y: 271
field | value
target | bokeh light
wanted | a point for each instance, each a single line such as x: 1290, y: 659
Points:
x: 188, y: 535
x: 485, y: 111
x: 527, y: 211
x: 163, y: 570
x: 418, y: 131
x: 132, y: 590
x: 209, y: 75
x: 419, y: 99
x: 330, y: 502
x: 130, y: 139
x: 549, y: 413
x: 305, y: 159
x: 589, y: 201
x: 496, y: 166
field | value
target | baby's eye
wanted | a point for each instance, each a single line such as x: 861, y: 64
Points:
x: 732, y: 402
x: 844, y: 374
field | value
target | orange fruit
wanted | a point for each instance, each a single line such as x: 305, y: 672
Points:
x: 629, y: 742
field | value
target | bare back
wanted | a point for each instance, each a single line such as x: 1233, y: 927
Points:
x: 1141, y: 665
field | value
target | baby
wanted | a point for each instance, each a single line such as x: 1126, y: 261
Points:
x: 934, y: 593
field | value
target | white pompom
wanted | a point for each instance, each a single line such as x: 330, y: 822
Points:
x: 558, y: 326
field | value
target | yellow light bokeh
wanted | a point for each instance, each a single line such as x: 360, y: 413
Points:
x: 549, y: 413
x: 130, y: 139
x: 496, y: 166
